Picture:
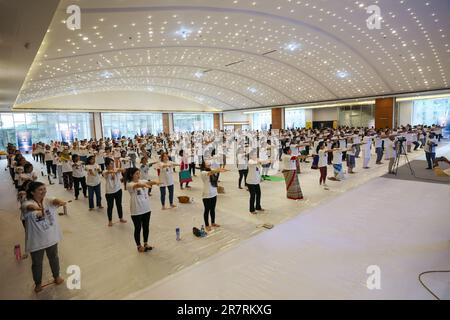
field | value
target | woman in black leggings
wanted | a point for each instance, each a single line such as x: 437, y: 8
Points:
x: 209, y: 178
x: 139, y: 206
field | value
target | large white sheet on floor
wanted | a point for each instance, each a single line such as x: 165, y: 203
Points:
x: 401, y: 226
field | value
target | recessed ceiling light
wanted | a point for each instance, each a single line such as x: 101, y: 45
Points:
x: 183, y: 32
x: 342, y: 74
x: 292, y: 46
x: 199, y: 74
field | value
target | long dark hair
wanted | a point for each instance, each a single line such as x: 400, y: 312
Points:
x: 108, y: 161
x: 319, y: 146
x: 32, y: 188
x: 130, y: 173
x: 214, y: 178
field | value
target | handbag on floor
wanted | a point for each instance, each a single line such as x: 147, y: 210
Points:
x: 184, y: 199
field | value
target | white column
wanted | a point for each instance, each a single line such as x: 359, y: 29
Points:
x: 96, y: 125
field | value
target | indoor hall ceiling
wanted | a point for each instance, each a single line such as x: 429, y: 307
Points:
x: 238, y: 54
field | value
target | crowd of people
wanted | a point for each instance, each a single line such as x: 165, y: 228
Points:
x: 138, y: 164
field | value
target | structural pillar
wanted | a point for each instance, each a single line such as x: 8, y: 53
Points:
x: 277, y: 118
x: 166, y: 122
x: 96, y: 125
x: 218, y: 121
x: 384, y: 113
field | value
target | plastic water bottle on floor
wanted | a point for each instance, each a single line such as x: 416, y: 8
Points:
x: 17, y: 252
x: 177, y: 231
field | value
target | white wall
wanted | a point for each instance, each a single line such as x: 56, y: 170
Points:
x: 325, y: 114
x: 405, y: 114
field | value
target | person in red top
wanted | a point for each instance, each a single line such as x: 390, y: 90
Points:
x: 185, y: 173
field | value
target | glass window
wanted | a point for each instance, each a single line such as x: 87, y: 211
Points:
x: 262, y: 120
x: 294, y: 118
x: 42, y: 126
x: 186, y: 122
x: 131, y: 124
x: 357, y: 116
x: 431, y: 111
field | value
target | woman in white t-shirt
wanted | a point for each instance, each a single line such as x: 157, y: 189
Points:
x: 209, y: 179
x: 100, y: 157
x: 93, y: 183
x: 322, y: 152
x: 337, y: 160
x: 116, y: 154
x: 139, y: 206
x: 48, y: 158
x: 42, y: 231
x: 165, y: 173
x: 66, y: 168
x: 253, y: 181
x: 113, y: 190
x: 79, y: 176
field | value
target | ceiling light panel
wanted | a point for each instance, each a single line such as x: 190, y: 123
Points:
x: 291, y: 51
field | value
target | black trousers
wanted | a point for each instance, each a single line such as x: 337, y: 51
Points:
x: 255, y: 197
x: 243, y: 174
x: 210, y: 210
x: 141, y: 221
x: 37, y: 257
x: 110, y: 198
x: 192, y: 168
x: 41, y: 158
x: 49, y: 165
x: 76, y: 183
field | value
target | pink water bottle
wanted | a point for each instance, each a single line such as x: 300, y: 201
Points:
x: 17, y: 252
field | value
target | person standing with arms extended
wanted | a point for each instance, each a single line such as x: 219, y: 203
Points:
x: 113, y: 192
x: 42, y: 231
x: 139, y: 206
x: 210, y: 178
x: 254, y: 180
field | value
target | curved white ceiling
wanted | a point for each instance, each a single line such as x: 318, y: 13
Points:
x: 237, y: 54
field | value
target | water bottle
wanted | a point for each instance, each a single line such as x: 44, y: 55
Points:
x: 177, y: 231
x: 17, y: 252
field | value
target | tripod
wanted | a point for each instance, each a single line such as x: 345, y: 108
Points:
x: 401, y: 151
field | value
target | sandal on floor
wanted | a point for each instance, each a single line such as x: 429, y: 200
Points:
x: 148, y: 248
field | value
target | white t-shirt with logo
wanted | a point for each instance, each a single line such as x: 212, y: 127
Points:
x: 78, y: 170
x: 41, y: 232
x: 165, y: 174
x: 208, y: 190
x: 323, y: 158
x: 337, y: 157
x: 92, y: 178
x: 66, y: 166
x: 112, y: 182
x: 139, y: 199
x: 254, y: 172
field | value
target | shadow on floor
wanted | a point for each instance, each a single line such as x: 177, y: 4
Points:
x: 420, y: 172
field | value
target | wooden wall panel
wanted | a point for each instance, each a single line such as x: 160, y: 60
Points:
x: 384, y: 113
